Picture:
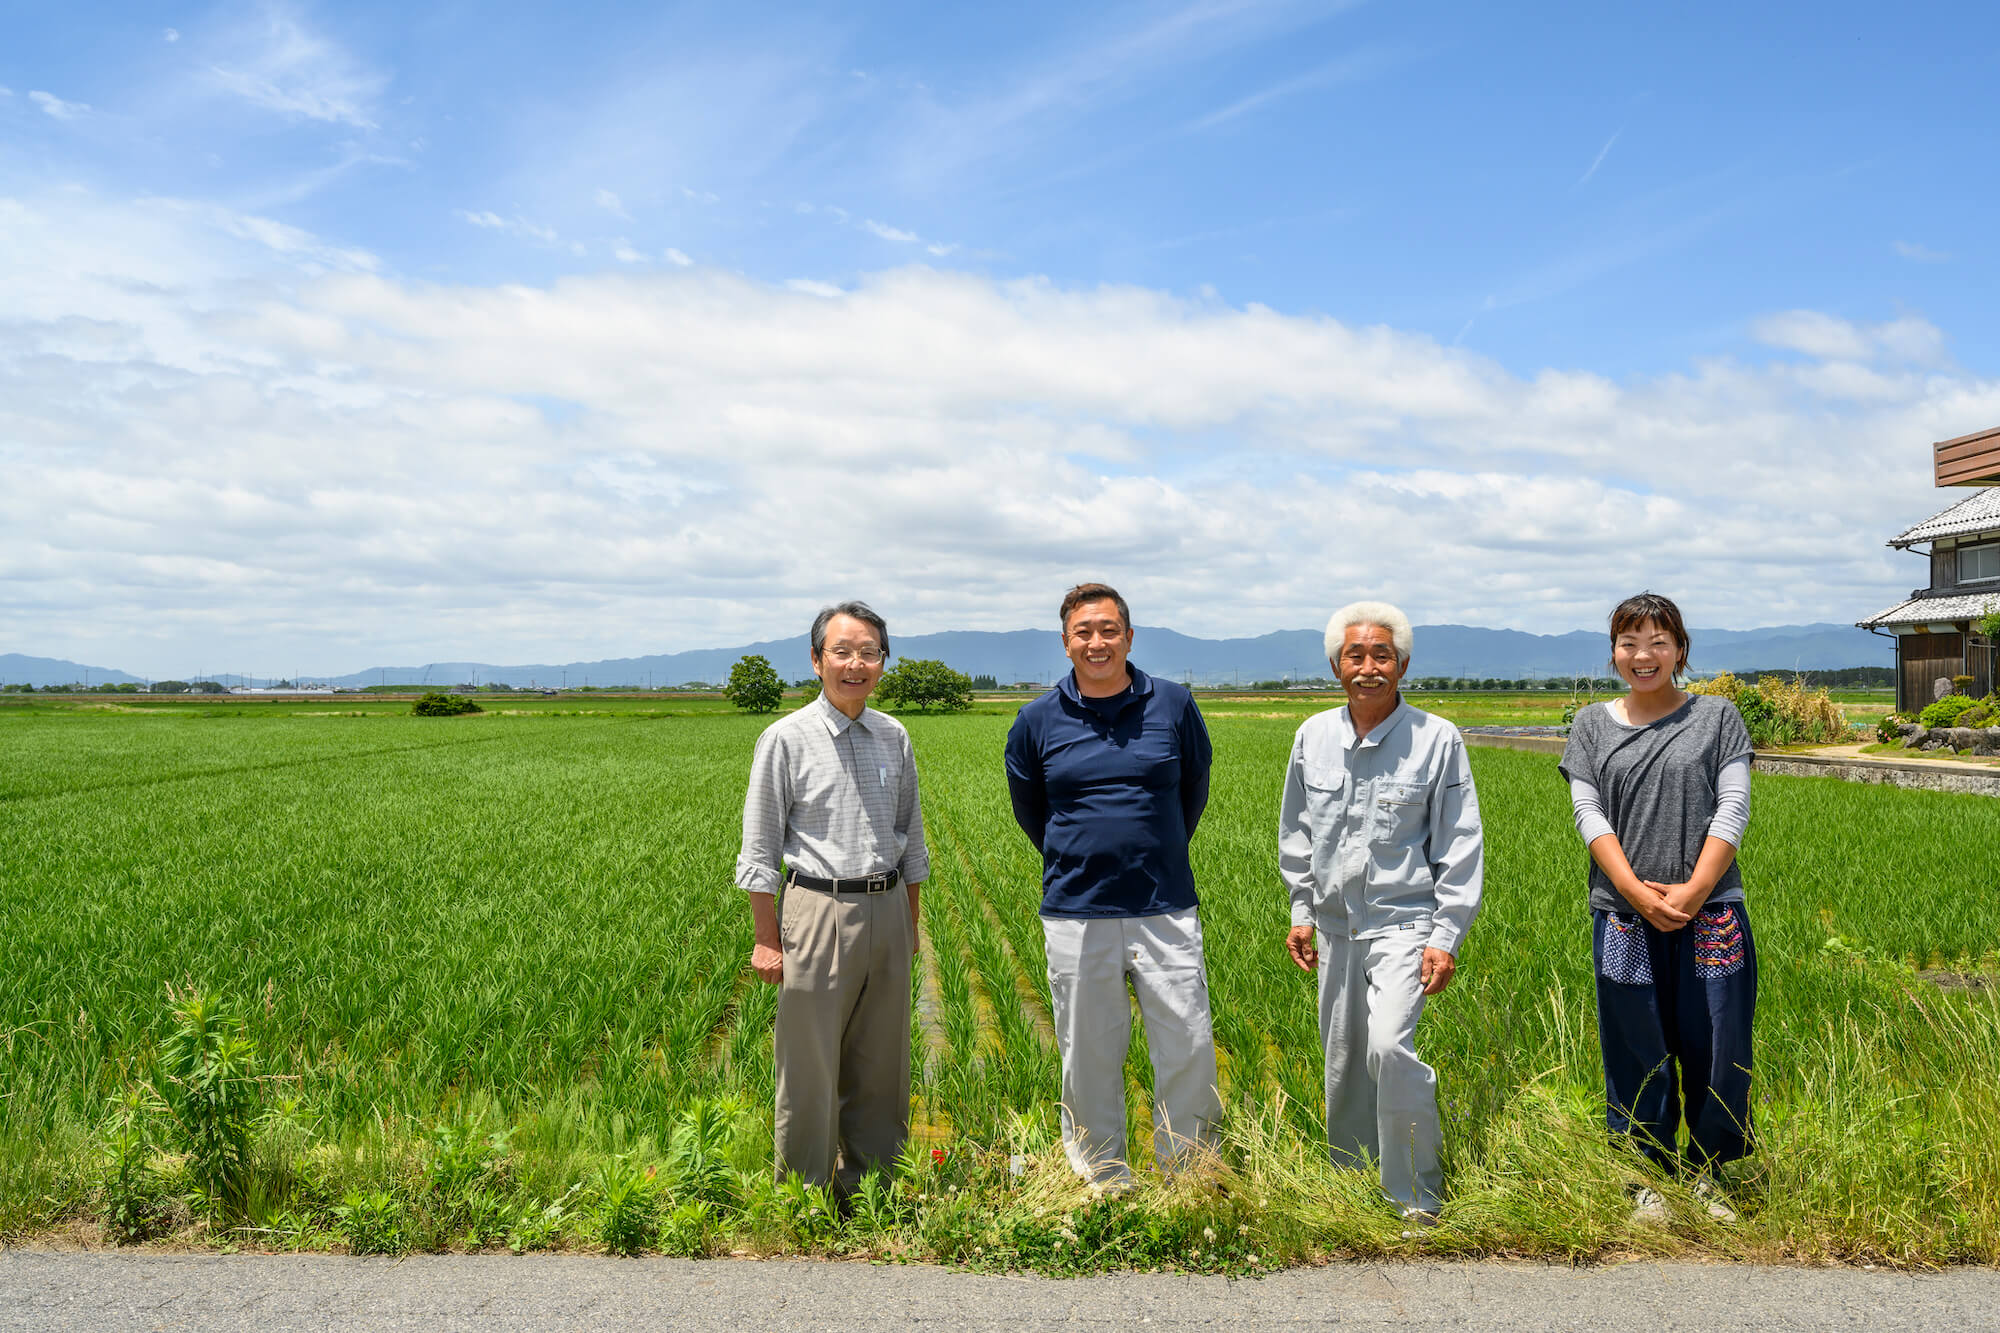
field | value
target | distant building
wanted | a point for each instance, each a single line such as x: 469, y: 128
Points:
x: 1935, y: 634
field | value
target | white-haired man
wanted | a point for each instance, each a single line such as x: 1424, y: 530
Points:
x: 1380, y: 846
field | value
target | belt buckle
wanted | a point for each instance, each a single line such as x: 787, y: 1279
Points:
x: 877, y: 883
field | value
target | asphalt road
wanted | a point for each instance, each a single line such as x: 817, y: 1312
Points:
x: 42, y: 1289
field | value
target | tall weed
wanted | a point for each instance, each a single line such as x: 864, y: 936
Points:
x: 207, y: 1083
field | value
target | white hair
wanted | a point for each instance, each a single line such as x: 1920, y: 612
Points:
x: 1371, y: 613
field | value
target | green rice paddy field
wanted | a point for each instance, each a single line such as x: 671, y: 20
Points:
x: 518, y: 931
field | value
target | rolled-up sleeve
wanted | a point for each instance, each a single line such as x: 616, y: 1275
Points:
x: 1295, y: 845
x: 1457, y: 850
x: 765, y: 806
x: 916, y: 863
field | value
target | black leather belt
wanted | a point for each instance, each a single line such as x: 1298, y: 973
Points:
x: 881, y: 883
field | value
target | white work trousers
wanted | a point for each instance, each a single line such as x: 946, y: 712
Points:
x: 1381, y: 1100
x: 1091, y: 961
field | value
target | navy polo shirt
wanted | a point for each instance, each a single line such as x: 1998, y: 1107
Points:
x: 1109, y: 791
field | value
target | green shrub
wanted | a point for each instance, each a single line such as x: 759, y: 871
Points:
x: 1945, y: 712
x: 1890, y: 729
x: 439, y: 704
x: 628, y: 1206
x: 697, y: 1156
x: 1777, y: 711
x: 1759, y: 716
x: 1979, y: 715
x: 372, y: 1222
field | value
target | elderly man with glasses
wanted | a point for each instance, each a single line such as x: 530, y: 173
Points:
x: 832, y: 818
x: 1380, y: 846
x: 1109, y: 774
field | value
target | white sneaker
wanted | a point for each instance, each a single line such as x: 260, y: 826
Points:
x: 1649, y: 1208
x: 1707, y: 1191
x: 1417, y: 1220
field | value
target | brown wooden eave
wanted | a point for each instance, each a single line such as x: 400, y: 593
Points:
x: 1969, y: 460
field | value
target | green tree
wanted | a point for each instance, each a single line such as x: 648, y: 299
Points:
x: 808, y: 688
x: 439, y: 704
x: 985, y: 683
x: 754, y: 685
x: 927, y: 683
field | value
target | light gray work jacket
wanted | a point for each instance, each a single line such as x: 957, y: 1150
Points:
x: 1380, y: 835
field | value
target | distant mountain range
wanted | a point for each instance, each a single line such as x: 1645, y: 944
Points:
x: 17, y: 669
x: 1036, y: 655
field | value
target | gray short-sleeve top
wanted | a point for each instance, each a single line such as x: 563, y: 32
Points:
x: 1657, y: 784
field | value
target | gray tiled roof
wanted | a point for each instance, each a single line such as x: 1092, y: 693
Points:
x: 1975, y: 512
x: 1926, y: 610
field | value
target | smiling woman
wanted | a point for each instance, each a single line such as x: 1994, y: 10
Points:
x: 1660, y: 783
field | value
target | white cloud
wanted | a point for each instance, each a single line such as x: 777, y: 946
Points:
x: 1597, y: 161
x: 56, y: 107
x: 171, y: 34
x: 889, y: 233
x: 1831, y: 338
x: 675, y: 257
x: 700, y: 196
x: 514, y: 226
x: 287, y: 240
x: 211, y: 450
x: 279, y: 63
x: 611, y: 204
x: 622, y: 251
x: 1923, y: 254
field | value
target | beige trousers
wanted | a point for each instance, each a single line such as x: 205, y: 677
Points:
x: 843, y: 1034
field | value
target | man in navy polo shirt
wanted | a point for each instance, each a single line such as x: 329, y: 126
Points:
x: 1109, y: 773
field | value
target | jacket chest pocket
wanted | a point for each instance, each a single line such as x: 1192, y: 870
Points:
x: 1399, y: 808
x: 1326, y: 795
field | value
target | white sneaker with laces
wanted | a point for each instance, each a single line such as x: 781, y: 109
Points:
x: 1649, y: 1207
x: 1710, y: 1194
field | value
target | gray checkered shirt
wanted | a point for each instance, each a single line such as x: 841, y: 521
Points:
x: 832, y: 797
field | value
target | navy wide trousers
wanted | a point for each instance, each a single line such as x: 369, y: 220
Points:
x: 1673, y: 1018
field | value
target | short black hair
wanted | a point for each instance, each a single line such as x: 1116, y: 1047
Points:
x: 860, y: 611
x: 1092, y: 592
x: 1639, y: 608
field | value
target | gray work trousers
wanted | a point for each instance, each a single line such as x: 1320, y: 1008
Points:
x: 1381, y: 1100
x: 842, y: 1041
x: 1090, y: 962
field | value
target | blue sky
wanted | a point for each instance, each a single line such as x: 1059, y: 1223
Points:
x: 1249, y: 306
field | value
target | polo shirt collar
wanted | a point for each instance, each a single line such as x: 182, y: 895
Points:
x: 1142, y: 685
x: 1377, y: 734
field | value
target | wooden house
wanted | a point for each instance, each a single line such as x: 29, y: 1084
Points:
x: 1935, y: 633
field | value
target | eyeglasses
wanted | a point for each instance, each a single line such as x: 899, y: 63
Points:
x: 866, y: 656
x: 1086, y: 634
